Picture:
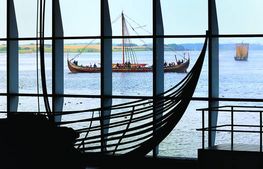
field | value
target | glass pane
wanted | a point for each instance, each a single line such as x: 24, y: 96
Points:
x: 3, y: 67
x: 137, y: 15
x: 184, y: 17
x: 2, y: 19
x: 85, y: 56
x: 240, y: 118
x: 30, y: 104
x: 177, y: 53
x: 129, y: 65
x: 240, y: 79
x: 81, y: 17
x: 73, y: 104
x: 184, y: 140
x: 26, y: 16
x: 244, y: 14
x: 3, y: 107
x: 48, y: 18
x: 29, y: 80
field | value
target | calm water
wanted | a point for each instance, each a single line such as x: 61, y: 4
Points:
x: 237, y: 79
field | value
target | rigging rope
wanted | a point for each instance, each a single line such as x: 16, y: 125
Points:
x: 130, y: 54
x: 139, y: 26
x: 82, y: 50
x: 138, y: 35
x: 142, y: 27
x: 116, y: 19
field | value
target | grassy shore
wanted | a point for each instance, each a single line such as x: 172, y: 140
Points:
x: 69, y: 48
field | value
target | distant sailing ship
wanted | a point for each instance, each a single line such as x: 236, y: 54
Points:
x: 242, y: 51
x: 129, y: 60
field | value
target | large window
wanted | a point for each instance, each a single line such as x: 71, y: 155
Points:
x: 184, y: 30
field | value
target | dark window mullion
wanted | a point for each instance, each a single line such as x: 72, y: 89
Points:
x: 158, y: 57
x: 12, y: 59
x: 57, y: 59
x: 106, y: 67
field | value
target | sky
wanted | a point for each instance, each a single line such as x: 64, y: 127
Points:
x: 82, y: 17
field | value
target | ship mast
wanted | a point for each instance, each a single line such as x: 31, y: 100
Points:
x: 122, y: 29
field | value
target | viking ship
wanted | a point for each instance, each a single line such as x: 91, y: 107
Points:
x: 242, y: 52
x: 128, y: 131
x: 129, y: 61
x: 130, y: 128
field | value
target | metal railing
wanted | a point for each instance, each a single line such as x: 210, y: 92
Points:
x: 232, y: 110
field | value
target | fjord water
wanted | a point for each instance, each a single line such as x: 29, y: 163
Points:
x: 237, y: 79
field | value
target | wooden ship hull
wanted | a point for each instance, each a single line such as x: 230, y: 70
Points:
x: 129, y: 130
x: 241, y: 58
x: 181, y: 68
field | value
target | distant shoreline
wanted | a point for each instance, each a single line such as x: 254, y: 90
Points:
x: 77, y: 48
x: 70, y: 48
